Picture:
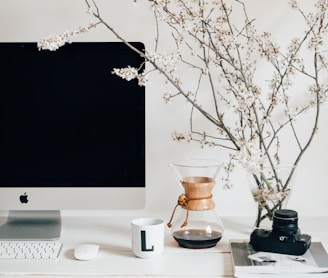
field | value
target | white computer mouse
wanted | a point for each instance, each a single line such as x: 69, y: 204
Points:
x: 86, y: 252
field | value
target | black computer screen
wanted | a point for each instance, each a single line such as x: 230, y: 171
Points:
x: 66, y: 120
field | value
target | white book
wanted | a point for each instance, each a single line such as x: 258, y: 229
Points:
x: 249, y: 263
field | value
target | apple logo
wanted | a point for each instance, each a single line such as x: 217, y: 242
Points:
x: 23, y: 198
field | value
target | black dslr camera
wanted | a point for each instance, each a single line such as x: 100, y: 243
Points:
x: 285, y: 237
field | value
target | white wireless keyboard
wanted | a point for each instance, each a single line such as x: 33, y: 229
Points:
x: 30, y: 249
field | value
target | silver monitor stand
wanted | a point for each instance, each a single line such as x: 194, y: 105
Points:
x: 31, y: 225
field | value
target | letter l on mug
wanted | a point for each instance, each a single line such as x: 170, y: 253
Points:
x: 143, y: 242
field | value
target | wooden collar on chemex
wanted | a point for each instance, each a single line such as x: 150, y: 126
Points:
x: 183, y: 202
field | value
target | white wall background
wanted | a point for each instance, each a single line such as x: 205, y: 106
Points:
x: 30, y: 20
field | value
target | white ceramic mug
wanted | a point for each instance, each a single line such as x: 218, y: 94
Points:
x: 147, y: 237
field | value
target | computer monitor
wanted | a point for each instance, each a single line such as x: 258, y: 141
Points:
x: 72, y: 134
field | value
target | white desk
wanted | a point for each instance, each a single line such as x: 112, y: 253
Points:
x: 116, y: 259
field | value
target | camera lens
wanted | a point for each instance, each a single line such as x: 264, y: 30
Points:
x: 285, y: 221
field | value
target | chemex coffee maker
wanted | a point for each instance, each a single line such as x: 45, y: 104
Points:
x: 194, y: 222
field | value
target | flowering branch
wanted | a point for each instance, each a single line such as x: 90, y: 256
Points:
x: 251, y: 119
x: 53, y: 42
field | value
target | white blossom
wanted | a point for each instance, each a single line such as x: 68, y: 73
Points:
x: 142, y: 80
x: 263, y: 195
x: 251, y: 158
x: 128, y: 73
x: 293, y: 3
x: 53, y: 42
x: 177, y: 136
x: 167, y: 97
x: 167, y: 61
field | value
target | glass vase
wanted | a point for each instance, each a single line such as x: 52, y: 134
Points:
x: 271, y: 189
x: 196, y: 224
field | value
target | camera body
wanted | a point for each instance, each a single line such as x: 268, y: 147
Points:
x: 285, y: 236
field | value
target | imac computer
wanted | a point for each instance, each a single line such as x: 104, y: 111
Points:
x: 72, y: 134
